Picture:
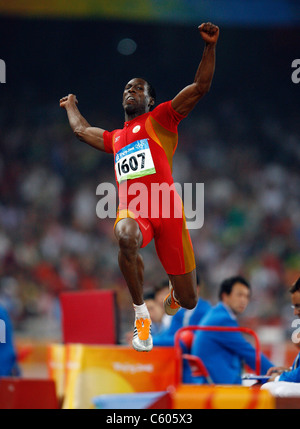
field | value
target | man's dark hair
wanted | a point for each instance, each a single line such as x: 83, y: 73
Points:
x: 295, y: 287
x: 227, y: 285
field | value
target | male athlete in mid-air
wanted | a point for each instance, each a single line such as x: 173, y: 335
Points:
x: 143, y: 152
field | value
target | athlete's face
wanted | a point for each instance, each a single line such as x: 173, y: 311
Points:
x: 136, y: 99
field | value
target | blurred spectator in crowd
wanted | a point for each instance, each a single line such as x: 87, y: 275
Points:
x: 8, y: 356
x: 223, y: 353
x: 292, y: 374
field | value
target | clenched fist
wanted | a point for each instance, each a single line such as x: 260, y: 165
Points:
x: 209, y: 32
x: 68, y: 100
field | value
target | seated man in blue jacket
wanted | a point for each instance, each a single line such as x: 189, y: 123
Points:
x: 8, y: 357
x: 292, y: 374
x: 223, y: 353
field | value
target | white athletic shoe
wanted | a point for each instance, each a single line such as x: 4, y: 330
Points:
x: 142, y: 339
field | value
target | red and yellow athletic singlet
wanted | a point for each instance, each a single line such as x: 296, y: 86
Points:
x: 143, y: 153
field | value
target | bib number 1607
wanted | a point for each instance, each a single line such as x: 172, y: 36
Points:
x: 134, y: 163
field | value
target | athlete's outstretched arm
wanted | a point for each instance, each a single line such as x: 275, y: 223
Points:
x: 187, y: 99
x: 81, y: 128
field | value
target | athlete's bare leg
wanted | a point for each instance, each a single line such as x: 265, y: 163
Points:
x: 131, y: 264
x: 185, y: 289
x: 130, y: 239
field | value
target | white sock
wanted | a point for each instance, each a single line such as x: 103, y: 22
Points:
x: 141, y: 311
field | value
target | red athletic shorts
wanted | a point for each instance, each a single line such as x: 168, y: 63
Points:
x: 172, y: 240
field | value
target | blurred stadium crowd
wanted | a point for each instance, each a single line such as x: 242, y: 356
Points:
x: 52, y: 241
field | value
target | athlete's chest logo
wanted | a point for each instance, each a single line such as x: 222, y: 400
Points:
x: 136, y: 129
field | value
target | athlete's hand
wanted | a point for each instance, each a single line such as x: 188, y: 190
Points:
x: 68, y: 100
x: 209, y: 32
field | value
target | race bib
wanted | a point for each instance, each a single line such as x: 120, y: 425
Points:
x: 133, y: 161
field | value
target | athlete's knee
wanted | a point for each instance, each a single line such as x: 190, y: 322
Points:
x: 188, y: 302
x: 185, y: 290
x: 129, y: 242
x: 128, y: 235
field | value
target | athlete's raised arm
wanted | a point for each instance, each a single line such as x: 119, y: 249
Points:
x: 187, y: 99
x: 81, y: 128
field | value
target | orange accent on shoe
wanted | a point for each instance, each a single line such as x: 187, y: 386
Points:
x: 143, y: 328
x: 174, y: 304
x: 171, y: 305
